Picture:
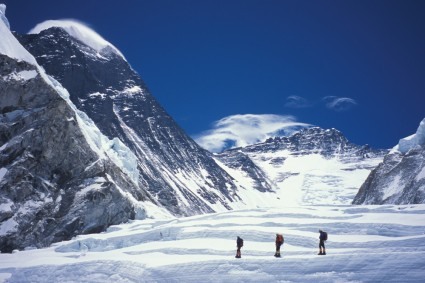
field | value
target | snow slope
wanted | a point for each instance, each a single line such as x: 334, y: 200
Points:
x: 313, y: 179
x: 9, y: 45
x: 366, y: 244
x: 312, y: 167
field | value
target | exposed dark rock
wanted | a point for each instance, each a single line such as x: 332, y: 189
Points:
x: 53, y: 185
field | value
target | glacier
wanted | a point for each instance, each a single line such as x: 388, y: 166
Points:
x: 366, y: 244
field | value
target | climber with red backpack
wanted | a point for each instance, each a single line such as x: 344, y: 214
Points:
x: 279, y: 242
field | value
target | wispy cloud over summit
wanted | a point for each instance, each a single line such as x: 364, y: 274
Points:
x: 335, y: 103
x: 243, y: 130
x: 339, y: 104
x: 295, y: 101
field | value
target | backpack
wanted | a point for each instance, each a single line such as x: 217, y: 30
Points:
x: 280, y: 238
x: 325, y: 236
x: 239, y: 242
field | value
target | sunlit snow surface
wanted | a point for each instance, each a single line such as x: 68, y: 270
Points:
x: 366, y: 244
x: 9, y: 45
x: 298, y: 179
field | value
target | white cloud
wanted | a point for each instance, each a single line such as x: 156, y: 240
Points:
x: 295, y: 101
x: 339, y: 104
x: 246, y: 129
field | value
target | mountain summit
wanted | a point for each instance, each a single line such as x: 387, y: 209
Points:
x: 313, y: 166
x: 180, y: 176
x: 80, y: 32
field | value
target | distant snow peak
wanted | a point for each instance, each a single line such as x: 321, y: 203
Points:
x: 81, y: 32
x: 410, y: 142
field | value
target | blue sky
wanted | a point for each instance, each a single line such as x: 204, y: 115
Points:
x: 216, y: 66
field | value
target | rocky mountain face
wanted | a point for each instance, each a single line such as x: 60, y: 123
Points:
x: 400, y: 179
x: 181, y: 176
x: 313, y: 166
x: 53, y: 184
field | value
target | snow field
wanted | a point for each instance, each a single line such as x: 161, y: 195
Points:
x: 366, y: 244
x: 304, y: 179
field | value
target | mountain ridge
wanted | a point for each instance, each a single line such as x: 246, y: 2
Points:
x: 46, y: 163
x: 400, y: 178
x: 115, y: 97
x: 304, y: 168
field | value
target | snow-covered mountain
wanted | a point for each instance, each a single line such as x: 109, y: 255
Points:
x: 59, y: 176
x: 83, y: 145
x: 400, y: 179
x: 179, y: 174
x: 313, y: 166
